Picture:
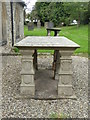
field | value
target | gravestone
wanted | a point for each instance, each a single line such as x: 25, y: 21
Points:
x: 30, y: 26
x: 49, y: 25
x: 46, y: 25
x: 38, y: 24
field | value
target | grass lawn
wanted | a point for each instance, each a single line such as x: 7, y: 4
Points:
x: 78, y: 35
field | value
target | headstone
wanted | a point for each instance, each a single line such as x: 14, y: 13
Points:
x: 38, y: 24
x: 46, y: 25
x: 30, y: 26
x: 50, y: 25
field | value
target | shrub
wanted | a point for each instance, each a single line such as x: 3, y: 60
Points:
x: 16, y: 50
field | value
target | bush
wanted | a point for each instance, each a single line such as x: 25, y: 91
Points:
x: 16, y: 50
x: 58, y: 115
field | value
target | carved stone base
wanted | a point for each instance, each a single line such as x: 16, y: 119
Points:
x: 27, y: 73
x: 65, y: 90
x: 27, y: 90
x: 65, y: 74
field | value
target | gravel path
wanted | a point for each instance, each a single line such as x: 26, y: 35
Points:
x: 12, y: 107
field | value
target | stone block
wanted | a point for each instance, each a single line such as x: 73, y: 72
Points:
x: 27, y: 79
x: 27, y: 67
x: 27, y: 73
x: 65, y: 90
x: 27, y: 89
x: 65, y: 79
x: 66, y: 65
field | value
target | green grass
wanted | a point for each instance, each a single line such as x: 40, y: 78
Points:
x: 78, y: 35
x: 36, y: 32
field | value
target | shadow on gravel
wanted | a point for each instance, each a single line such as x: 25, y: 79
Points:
x: 46, y: 86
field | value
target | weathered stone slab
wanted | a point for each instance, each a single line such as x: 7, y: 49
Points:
x: 47, y: 42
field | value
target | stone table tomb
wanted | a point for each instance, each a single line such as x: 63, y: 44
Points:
x: 63, y: 73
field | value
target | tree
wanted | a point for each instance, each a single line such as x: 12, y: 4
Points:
x: 50, y: 11
x: 76, y: 10
x: 58, y: 12
x: 34, y: 15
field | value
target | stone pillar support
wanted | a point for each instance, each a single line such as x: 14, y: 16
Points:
x: 65, y: 74
x: 35, y: 60
x: 21, y: 24
x: 57, y: 65
x: 57, y: 33
x: 27, y: 73
x: 48, y: 32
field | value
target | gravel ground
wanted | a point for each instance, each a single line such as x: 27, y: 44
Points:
x: 30, y: 108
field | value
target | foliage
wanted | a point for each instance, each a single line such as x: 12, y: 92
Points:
x: 16, y: 50
x: 77, y: 10
x: 58, y: 115
x: 34, y: 15
x: 58, y: 12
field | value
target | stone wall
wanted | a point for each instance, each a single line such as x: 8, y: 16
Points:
x: 9, y: 28
x: 6, y: 23
x: 18, y: 20
x: 0, y: 21
x: 21, y: 22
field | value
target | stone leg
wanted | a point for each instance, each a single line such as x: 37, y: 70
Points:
x: 27, y: 73
x: 57, y: 33
x: 65, y: 74
x: 48, y: 32
x: 35, y: 60
x: 57, y: 65
x: 54, y: 62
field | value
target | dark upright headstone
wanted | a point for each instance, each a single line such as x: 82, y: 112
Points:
x: 30, y: 26
x: 50, y: 25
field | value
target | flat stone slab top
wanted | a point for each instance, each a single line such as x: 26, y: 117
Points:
x: 46, y: 42
x: 56, y: 29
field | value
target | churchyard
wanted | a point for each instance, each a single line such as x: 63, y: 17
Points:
x: 45, y: 104
x: 42, y: 75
